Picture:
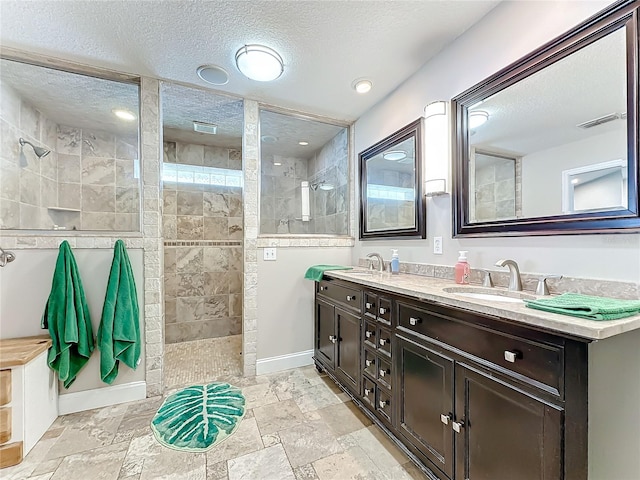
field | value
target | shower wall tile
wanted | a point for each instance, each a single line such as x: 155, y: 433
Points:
x: 49, y: 192
x: 29, y: 216
x: 9, y: 214
x: 235, y: 159
x: 127, y: 222
x: 69, y: 140
x: 235, y: 230
x: 234, y: 280
x: 216, y: 259
x: 98, y: 144
x: 169, y: 152
x: 126, y: 148
x: 216, y: 157
x: 170, y: 227
x: 9, y: 180
x: 70, y: 195
x: 189, y: 309
x: 216, y: 283
x: 127, y: 200
x: 189, y: 203
x: 190, y: 285
x: 98, y: 221
x: 98, y: 171
x: 170, y: 203
x: 189, y: 154
x: 30, y: 188
x: 189, y: 227
x: 216, y: 306
x: 215, y: 204
x: 125, y: 173
x: 97, y: 198
x: 216, y: 227
x: 189, y: 259
x: 69, y: 169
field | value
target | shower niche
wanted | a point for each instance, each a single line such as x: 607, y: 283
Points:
x: 68, y: 150
x: 304, y: 176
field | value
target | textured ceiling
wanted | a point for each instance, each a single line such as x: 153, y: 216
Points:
x: 543, y: 110
x: 325, y: 44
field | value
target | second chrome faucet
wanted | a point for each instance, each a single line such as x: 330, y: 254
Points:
x: 515, y: 283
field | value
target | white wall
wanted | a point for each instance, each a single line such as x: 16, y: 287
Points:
x: 285, y: 298
x: 508, y: 32
x: 24, y: 289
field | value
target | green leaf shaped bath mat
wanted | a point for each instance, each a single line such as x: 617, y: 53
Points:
x: 198, y: 417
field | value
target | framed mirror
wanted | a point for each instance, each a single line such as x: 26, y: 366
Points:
x: 391, y: 199
x: 549, y: 145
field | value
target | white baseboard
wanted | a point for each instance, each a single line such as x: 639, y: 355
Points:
x: 101, y: 397
x: 284, y: 362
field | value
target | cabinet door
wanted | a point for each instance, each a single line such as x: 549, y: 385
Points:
x: 504, y: 433
x: 326, y: 338
x: 425, y: 397
x: 348, y: 349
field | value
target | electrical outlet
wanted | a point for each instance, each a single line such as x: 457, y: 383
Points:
x: 437, y: 245
x: 270, y: 254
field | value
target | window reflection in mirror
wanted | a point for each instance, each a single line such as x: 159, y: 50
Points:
x: 69, y: 150
x: 569, y: 115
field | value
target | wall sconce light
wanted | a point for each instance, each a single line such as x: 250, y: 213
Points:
x: 436, y: 149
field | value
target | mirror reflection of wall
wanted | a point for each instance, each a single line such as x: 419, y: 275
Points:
x: 303, y: 160
x: 77, y: 166
x: 496, y: 181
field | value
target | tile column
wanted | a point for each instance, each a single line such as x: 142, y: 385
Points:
x: 152, y: 233
x: 250, y: 167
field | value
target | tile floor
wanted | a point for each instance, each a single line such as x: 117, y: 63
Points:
x: 298, y: 426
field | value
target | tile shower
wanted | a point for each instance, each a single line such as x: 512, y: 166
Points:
x: 88, y: 180
x: 203, y: 236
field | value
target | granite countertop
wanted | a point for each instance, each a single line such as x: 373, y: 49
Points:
x: 433, y: 289
x: 20, y: 351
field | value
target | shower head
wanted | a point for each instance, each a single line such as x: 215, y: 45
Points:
x: 39, y: 151
x: 322, y: 185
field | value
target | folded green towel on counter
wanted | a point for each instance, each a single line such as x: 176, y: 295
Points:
x: 119, y: 332
x: 315, y: 272
x: 66, y: 315
x: 587, y: 306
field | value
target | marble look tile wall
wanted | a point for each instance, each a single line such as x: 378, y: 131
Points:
x: 497, y: 188
x: 203, y: 282
x: 27, y: 184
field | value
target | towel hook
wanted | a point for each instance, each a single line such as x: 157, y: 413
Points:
x: 6, y: 257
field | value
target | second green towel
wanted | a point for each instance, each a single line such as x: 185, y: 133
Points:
x: 315, y: 272
x: 119, y: 332
x: 587, y: 306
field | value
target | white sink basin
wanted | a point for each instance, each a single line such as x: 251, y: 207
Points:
x: 490, y: 295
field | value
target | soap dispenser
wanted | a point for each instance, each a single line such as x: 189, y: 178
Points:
x: 462, y: 268
x: 395, y: 262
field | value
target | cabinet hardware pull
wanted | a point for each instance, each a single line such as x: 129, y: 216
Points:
x: 366, y: 392
x: 383, y: 403
x: 383, y: 311
x: 445, y: 418
x: 333, y: 338
x: 383, y: 372
x: 383, y: 341
x: 369, y: 305
x: 457, y: 426
x: 414, y: 321
x: 512, y: 356
x: 368, y: 362
x: 350, y: 298
x: 368, y: 334
x: 323, y: 288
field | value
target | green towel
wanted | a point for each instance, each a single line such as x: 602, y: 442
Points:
x: 315, y: 273
x: 119, y: 332
x: 587, y: 306
x: 66, y: 315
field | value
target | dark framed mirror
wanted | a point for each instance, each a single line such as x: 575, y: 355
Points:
x: 391, y: 199
x: 549, y: 145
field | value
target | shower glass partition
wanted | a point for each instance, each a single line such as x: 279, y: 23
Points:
x: 304, y: 176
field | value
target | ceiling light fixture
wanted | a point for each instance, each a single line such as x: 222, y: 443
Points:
x: 477, y: 118
x: 362, y: 85
x: 259, y: 63
x: 277, y: 164
x: 394, y: 155
x: 213, y: 74
x: 303, y: 143
x: 124, y: 114
x: 203, y: 127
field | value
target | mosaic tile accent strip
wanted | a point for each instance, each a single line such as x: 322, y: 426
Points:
x: 311, y: 241
x: 203, y: 243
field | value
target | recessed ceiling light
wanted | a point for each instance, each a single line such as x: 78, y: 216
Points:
x: 303, y: 143
x: 394, y: 155
x: 268, y: 139
x: 477, y: 118
x: 259, y: 63
x: 362, y: 85
x: 277, y: 164
x: 124, y: 114
x: 213, y: 74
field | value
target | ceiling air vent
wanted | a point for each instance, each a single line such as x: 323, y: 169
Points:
x: 599, y: 121
x: 209, y: 128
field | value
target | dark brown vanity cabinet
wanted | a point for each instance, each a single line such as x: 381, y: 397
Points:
x: 337, y: 331
x: 466, y: 396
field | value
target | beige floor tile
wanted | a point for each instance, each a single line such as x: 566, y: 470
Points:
x: 305, y: 472
x: 259, y: 395
x: 316, y: 397
x: 277, y: 416
x: 344, y: 418
x: 384, y: 454
x: 47, y: 466
x: 270, y: 439
x: 246, y: 439
x: 268, y: 464
x: 217, y: 471
x: 352, y: 464
x: 33, y: 459
x: 44, y: 476
x: 99, y: 431
x: 414, y: 472
x: 308, y: 442
x: 98, y: 464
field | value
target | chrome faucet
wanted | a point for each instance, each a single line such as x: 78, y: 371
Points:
x: 380, y: 261
x: 514, y: 274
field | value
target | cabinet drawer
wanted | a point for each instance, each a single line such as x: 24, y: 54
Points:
x: 384, y: 310
x: 384, y: 341
x: 370, y: 305
x: 349, y: 297
x: 370, y: 363
x: 384, y: 372
x: 368, y: 391
x: 538, y: 361
x: 383, y: 403
x: 370, y: 334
